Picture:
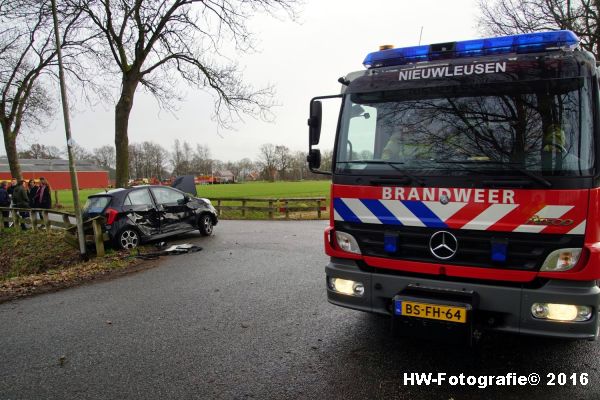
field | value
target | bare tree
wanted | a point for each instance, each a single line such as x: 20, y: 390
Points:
x: 147, y: 160
x: 268, y: 160
x: 246, y: 167
x: 27, y: 51
x: 235, y: 168
x: 283, y: 160
x: 40, y: 151
x: 181, y: 158
x: 201, y: 161
x: 147, y: 41
x: 326, y: 160
x: 299, y: 166
x: 80, y: 153
x: 506, y: 17
x: 104, y: 156
x: 157, y: 156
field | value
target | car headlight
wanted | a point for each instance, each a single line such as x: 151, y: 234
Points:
x: 561, y: 260
x: 561, y: 312
x: 347, y: 242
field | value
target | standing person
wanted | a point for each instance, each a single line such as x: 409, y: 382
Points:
x: 43, y: 196
x: 21, y: 200
x: 32, y: 189
x: 11, y: 187
x: 4, y: 202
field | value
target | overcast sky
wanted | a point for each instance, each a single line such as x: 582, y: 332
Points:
x: 301, y: 59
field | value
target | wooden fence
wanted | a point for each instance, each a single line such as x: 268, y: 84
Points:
x: 271, y: 206
x: 91, y: 227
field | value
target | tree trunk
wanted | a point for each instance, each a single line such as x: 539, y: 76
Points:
x: 122, y: 112
x: 10, y: 144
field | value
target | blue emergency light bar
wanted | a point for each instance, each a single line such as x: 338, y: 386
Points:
x: 524, y: 43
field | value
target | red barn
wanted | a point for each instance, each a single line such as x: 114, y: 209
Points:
x: 89, y: 175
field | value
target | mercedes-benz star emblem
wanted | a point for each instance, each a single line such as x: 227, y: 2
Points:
x: 444, y: 199
x: 443, y: 245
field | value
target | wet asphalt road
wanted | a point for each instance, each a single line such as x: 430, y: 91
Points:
x: 247, y: 317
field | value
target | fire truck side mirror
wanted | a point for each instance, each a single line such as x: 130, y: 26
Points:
x: 314, y: 122
x: 314, y: 159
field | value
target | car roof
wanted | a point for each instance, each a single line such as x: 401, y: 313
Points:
x: 120, y: 192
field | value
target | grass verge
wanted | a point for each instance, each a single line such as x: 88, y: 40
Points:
x: 39, y: 262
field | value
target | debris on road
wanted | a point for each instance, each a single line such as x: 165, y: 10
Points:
x: 175, y: 249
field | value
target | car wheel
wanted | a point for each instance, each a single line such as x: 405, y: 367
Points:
x: 206, y: 225
x: 128, y: 238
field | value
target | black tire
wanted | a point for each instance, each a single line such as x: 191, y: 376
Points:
x: 206, y: 224
x: 127, y: 238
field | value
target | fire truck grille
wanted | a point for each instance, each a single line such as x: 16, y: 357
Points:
x: 524, y: 251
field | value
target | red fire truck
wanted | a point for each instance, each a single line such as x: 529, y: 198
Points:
x: 465, y: 184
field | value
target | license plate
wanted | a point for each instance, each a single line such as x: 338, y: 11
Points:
x: 431, y: 311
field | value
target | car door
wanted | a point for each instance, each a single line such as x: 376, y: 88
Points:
x: 142, y: 212
x: 172, y: 206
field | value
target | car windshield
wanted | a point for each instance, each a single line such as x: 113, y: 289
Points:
x: 542, y: 127
x: 96, y: 204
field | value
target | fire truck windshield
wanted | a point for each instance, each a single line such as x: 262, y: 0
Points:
x: 543, y: 127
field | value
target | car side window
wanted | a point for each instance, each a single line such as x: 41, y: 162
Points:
x: 139, y: 197
x: 165, y: 195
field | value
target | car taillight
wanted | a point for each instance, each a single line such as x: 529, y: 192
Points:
x: 111, y: 215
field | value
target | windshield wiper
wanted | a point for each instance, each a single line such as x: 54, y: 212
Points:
x: 523, y: 171
x: 393, y: 164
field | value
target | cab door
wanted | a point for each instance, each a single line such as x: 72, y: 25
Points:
x: 172, y: 206
x: 142, y: 212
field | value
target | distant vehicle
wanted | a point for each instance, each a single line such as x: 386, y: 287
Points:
x: 142, y: 213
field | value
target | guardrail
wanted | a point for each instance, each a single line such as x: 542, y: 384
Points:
x: 272, y: 206
x: 92, y: 228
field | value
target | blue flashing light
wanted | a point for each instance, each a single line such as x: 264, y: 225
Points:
x: 390, y: 242
x: 523, y: 43
x: 499, y: 251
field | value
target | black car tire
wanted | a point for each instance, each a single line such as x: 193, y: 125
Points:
x: 205, y: 225
x: 128, y: 238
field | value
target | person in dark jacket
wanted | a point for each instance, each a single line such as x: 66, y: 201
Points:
x: 32, y: 189
x: 4, y: 202
x: 43, y: 197
x: 11, y: 188
x: 21, y: 200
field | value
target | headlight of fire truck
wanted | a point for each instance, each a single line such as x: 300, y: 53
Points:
x: 561, y: 260
x: 347, y: 242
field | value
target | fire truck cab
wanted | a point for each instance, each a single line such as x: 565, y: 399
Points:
x: 465, y: 187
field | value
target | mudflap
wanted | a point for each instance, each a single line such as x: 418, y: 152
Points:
x: 440, y: 314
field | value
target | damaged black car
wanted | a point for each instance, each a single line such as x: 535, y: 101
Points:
x: 149, y: 212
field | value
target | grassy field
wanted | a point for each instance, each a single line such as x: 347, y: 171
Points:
x: 65, y: 197
x: 266, y: 190
x: 238, y: 190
